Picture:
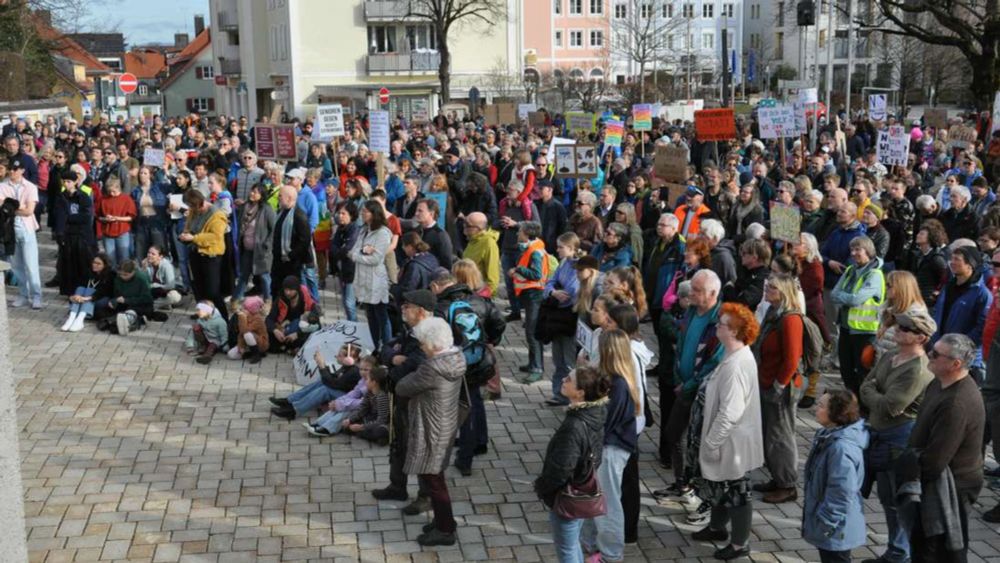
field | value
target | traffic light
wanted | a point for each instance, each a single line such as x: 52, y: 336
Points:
x: 806, y: 13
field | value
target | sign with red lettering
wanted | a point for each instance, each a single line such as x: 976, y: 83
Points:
x: 715, y: 124
x: 264, y: 138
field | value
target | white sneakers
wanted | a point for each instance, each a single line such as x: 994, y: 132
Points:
x: 77, y: 325
x: 69, y: 322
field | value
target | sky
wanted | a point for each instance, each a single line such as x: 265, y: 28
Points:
x: 144, y: 21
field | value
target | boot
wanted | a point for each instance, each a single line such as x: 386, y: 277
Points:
x: 809, y: 398
x: 206, y: 356
x: 77, y: 325
x: 69, y: 321
x: 253, y: 355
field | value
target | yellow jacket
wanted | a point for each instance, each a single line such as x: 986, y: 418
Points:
x: 211, y: 241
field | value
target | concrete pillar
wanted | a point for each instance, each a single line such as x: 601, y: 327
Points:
x: 13, y: 544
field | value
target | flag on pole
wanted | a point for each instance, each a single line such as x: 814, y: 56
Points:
x: 734, y: 64
x: 751, y: 66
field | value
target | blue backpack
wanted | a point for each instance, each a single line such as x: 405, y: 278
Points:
x: 471, y: 338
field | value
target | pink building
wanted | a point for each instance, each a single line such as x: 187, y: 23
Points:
x: 571, y: 37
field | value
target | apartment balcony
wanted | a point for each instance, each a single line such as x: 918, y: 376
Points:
x: 230, y: 67
x: 389, y: 10
x: 227, y: 20
x: 392, y: 63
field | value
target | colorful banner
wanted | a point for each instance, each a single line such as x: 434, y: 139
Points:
x: 581, y: 122
x: 715, y: 124
x: 613, y: 133
x: 642, y: 117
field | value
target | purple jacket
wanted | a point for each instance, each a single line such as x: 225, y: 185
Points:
x: 352, y: 400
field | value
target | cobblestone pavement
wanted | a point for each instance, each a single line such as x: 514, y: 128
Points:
x: 133, y: 452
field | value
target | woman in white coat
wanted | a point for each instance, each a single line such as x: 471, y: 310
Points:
x: 725, y: 436
x: 371, y: 279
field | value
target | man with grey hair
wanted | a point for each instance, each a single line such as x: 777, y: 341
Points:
x: 948, y: 438
x: 960, y: 219
x: 247, y: 176
x: 723, y: 250
x: 698, y: 353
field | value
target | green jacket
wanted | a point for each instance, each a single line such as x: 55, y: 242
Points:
x: 484, y: 251
x: 136, y: 291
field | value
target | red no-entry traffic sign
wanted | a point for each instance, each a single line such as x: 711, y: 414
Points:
x: 383, y: 95
x: 128, y: 83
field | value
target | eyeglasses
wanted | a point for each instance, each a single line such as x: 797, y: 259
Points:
x: 934, y: 354
x: 781, y: 191
x: 909, y: 330
x: 106, y: 153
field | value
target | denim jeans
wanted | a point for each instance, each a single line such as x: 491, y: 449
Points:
x: 331, y: 421
x: 118, y: 249
x: 473, y: 432
x: 350, y: 303
x: 898, y: 548
x: 531, y: 302
x: 261, y: 283
x: 566, y: 536
x: 564, y: 358
x: 607, y: 533
x: 311, y: 280
x: 312, y: 396
x: 177, y: 227
x: 509, y: 260
x: 87, y: 307
x: 25, y: 265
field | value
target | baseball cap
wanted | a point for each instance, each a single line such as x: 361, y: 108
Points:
x: 423, y: 298
x: 297, y: 173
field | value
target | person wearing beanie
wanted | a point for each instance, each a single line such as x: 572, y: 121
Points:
x: 295, y: 315
x: 251, y: 332
x: 963, y: 303
x: 871, y: 218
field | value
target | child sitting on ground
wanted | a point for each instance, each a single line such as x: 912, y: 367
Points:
x: 325, y: 388
x: 371, y: 420
x: 344, y: 406
x: 251, y: 332
x: 208, y: 333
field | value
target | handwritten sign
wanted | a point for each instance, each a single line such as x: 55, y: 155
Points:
x: 330, y: 121
x: 808, y: 96
x: 961, y: 136
x: 670, y: 163
x: 581, y: 122
x: 642, y: 117
x: 777, y: 121
x: 786, y: 222
x: 876, y: 107
x: 893, y: 145
x: 329, y: 340
x: 613, y: 133
x: 154, y: 157
x: 536, y: 119
x: 936, y: 118
x: 584, y: 337
x: 378, y: 131
x: 715, y: 124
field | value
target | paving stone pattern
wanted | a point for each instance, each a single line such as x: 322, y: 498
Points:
x: 131, y: 451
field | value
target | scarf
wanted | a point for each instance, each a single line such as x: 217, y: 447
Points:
x: 286, y: 234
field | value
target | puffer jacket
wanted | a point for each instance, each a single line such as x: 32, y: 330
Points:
x: 433, y: 411
x: 833, y: 517
x: 567, y: 458
x: 415, y: 273
x: 255, y: 324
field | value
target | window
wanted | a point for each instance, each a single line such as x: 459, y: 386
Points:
x: 558, y: 39
x: 143, y: 90
x: 781, y: 14
x: 200, y: 105
x: 727, y: 10
x: 596, y: 38
x: 421, y: 38
x: 779, y: 45
x: 596, y: 74
x: 206, y: 72
x: 557, y: 7
x: 620, y: 11
x: 668, y: 10
x: 575, y: 7
x: 381, y: 39
x: 576, y: 39
x: 646, y: 10
x: 822, y: 39
x: 273, y: 42
x: 730, y: 39
x: 708, y: 10
x: 670, y: 41
x: 708, y: 40
x: 755, y: 41
x: 619, y: 79
x: 576, y: 74
x: 688, y: 10
x: 597, y: 7
x: 283, y: 41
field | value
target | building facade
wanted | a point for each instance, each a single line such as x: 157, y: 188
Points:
x: 191, y: 85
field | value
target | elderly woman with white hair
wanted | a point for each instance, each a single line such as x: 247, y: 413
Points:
x: 960, y: 220
x: 433, y: 390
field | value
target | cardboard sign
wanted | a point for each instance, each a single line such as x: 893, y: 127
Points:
x: 275, y: 141
x: 154, y: 157
x: 330, y: 121
x: 507, y: 113
x: 876, y: 107
x: 642, y: 117
x: 378, y: 131
x: 613, y: 133
x: 491, y: 115
x: 536, y: 119
x: 786, y: 222
x: 936, y: 118
x: 777, y: 121
x: 576, y: 161
x: 329, y: 340
x: 580, y: 122
x: 961, y: 136
x: 670, y: 163
x: 715, y: 124
x: 893, y: 145
x: 524, y: 109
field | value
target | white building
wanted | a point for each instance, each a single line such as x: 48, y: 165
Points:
x: 299, y: 53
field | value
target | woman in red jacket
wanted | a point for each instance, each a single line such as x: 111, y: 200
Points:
x: 116, y: 211
x: 778, y: 350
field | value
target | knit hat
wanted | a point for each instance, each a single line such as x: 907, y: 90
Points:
x: 971, y: 255
x: 253, y: 304
x: 876, y: 210
x: 290, y: 282
x: 453, y: 151
x: 918, y: 322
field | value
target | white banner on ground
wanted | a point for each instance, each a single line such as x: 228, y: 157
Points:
x: 329, y: 340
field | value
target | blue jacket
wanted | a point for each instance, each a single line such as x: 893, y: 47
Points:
x: 622, y: 257
x: 159, y: 195
x: 837, y: 247
x: 308, y: 204
x: 565, y: 279
x: 967, y: 314
x: 393, y: 190
x: 619, y: 426
x: 833, y: 517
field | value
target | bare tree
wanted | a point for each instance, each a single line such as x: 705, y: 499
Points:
x: 643, y: 35
x: 445, y: 15
x: 504, y: 83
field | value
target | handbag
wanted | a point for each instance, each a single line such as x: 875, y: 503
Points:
x: 581, y: 501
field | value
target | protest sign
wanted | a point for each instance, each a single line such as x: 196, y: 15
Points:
x: 506, y: 113
x: 642, y: 117
x: 876, y: 107
x: 777, y: 121
x: 681, y: 110
x: 613, y: 133
x: 275, y: 141
x: 786, y: 222
x: 565, y: 161
x: 576, y: 161
x: 524, y: 109
x: 936, y: 118
x: 330, y: 121
x: 893, y: 145
x: 580, y: 122
x: 808, y: 96
x: 715, y: 124
x: 178, y: 200
x: 961, y: 136
x: 329, y: 340
x: 491, y: 115
x: 536, y: 119
x: 378, y: 133
x: 284, y: 141
x: 264, y: 139
x: 153, y: 157
x: 419, y: 110
x: 585, y: 337
x: 670, y: 163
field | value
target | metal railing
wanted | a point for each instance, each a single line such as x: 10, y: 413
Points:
x: 399, y: 62
x: 390, y: 9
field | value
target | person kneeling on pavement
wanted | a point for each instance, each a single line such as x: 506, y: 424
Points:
x: 251, y: 338
x: 131, y: 301
x: 294, y: 318
x: 325, y: 388
x: 208, y: 333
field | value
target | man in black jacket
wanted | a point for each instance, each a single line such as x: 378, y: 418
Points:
x: 552, y: 215
x: 292, y: 248
x: 473, y: 435
x: 402, y: 356
x: 435, y: 237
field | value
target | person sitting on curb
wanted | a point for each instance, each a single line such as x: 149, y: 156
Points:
x: 162, y: 278
x: 294, y: 318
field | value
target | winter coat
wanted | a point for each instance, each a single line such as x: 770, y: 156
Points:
x: 263, y: 238
x: 341, y: 243
x: 967, y: 314
x: 662, y: 262
x: 837, y: 247
x: 833, y: 517
x: 961, y: 224
x: 708, y: 355
x: 371, y: 279
x: 440, y: 243
x: 484, y: 251
x: 610, y: 259
x: 415, y: 273
x: 136, y: 291
x: 724, y: 261
x: 214, y: 328
x: 577, y: 441
x: 433, y: 391
x: 488, y: 313
x: 931, y: 271
x: 732, y: 427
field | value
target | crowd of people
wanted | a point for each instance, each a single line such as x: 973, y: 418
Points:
x: 891, y: 282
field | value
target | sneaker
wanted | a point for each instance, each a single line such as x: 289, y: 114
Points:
x: 708, y: 534
x: 729, y: 552
x: 700, y: 516
x: 37, y: 304
x: 390, y: 493
x: 532, y: 377
x: 317, y: 431
x: 418, y: 506
x: 436, y: 537
x: 689, y: 499
x: 19, y: 301
x: 427, y: 527
x: 280, y: 402
x: 526, y: 368
x: 672, y: 492
x: 123, y: 323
